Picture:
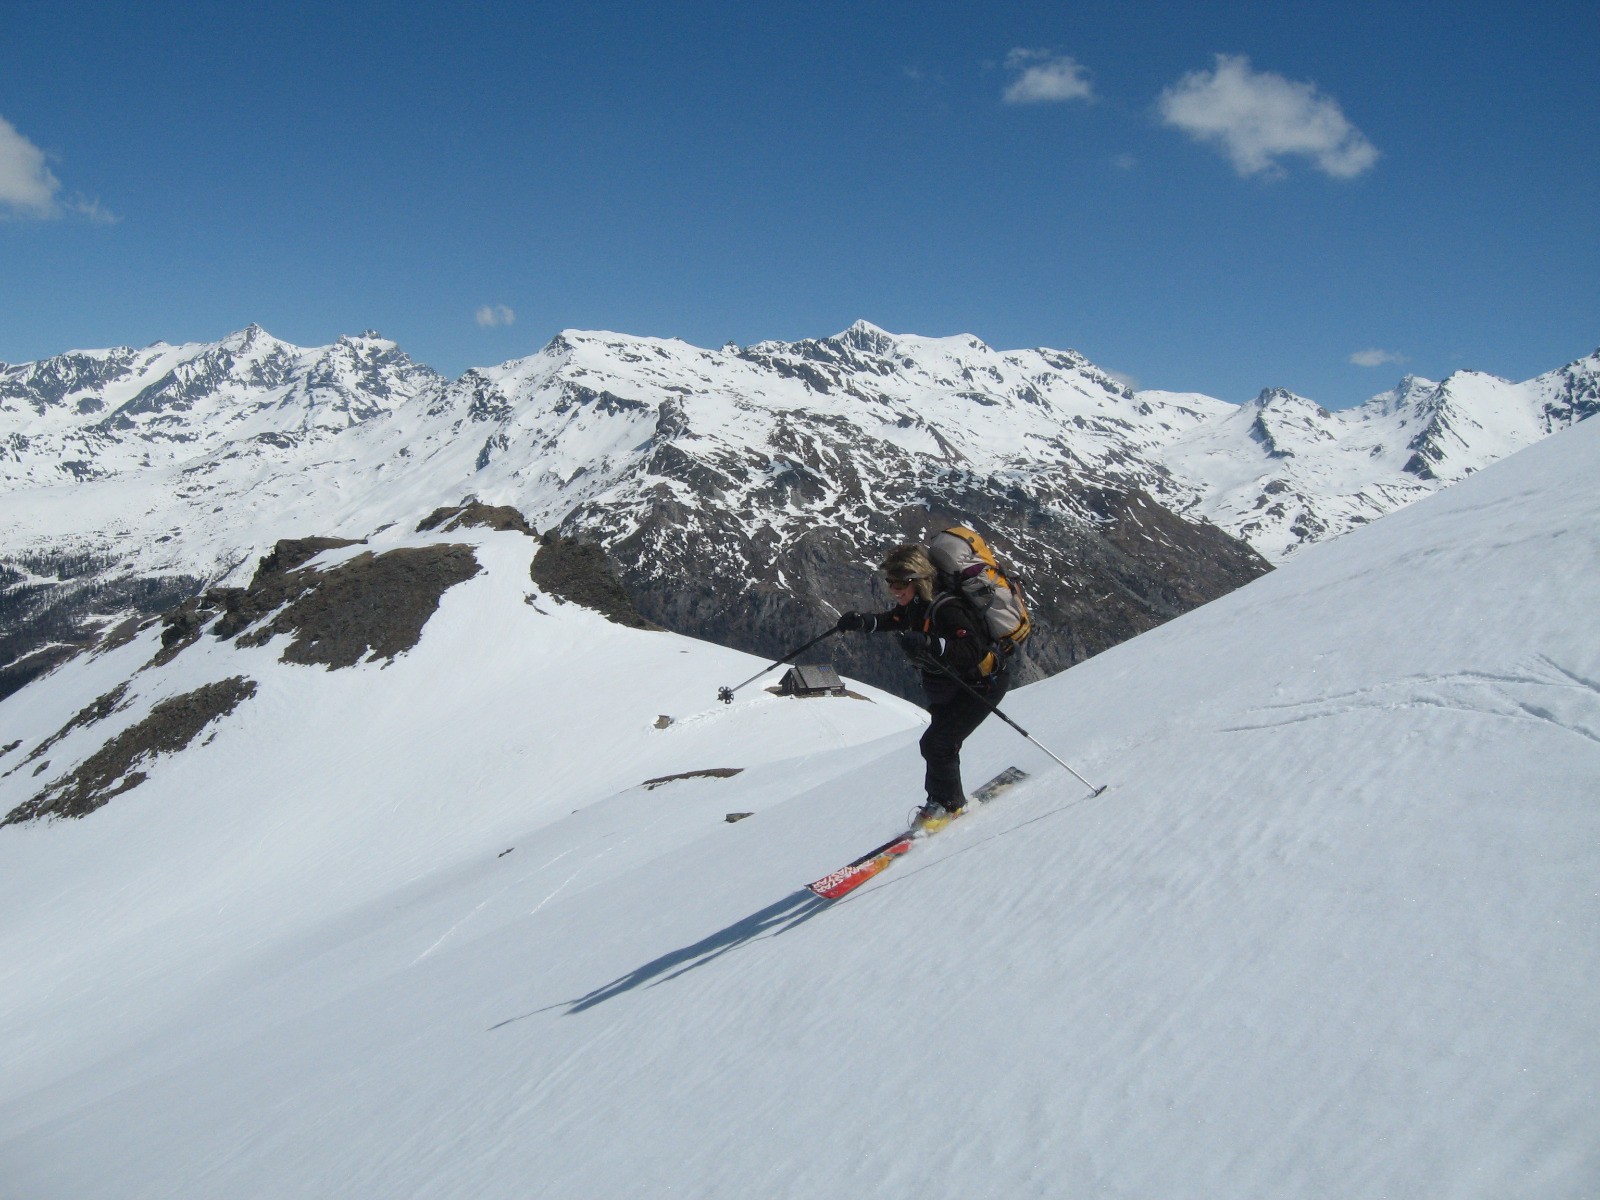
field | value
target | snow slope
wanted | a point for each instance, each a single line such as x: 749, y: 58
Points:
x: 330, y: 790
x: 1333, y: 929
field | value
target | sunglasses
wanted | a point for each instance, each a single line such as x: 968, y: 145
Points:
x: 896, y: 581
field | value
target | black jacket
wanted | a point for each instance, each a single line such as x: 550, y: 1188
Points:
x: 963, y: 641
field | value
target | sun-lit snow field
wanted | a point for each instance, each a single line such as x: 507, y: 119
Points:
x: 1333, y: 929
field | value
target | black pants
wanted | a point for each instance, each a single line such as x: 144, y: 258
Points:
x: 953, y: 720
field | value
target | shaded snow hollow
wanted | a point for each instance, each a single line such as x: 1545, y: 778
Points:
x: 1332, y: 930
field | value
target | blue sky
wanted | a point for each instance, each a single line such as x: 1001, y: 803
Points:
x: 1320, y: 197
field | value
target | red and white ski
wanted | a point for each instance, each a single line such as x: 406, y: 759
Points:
x: 853, y: 874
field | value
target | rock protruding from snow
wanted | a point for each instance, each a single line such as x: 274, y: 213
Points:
x: 474, y: 513
x: 168, y: 729
x: 578, y: 572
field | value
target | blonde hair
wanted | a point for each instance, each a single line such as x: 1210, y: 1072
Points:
x: 912, y: 561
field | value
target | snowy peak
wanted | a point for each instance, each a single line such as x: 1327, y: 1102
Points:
x: 747, y: 482
x: 954, y: 398
x: 249, y: 361
x: 1461, y: 425
x: 1287, y: 425
x: 68, y: 380
x: 1569, y: 395
x: 866, y: 338
x: 1412, y: 392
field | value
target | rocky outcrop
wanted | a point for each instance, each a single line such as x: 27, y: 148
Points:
x: 578, y: 572
x: 369, y: 607
x: 364, y: 608
x: 474, y: 513
x: 113, y: 769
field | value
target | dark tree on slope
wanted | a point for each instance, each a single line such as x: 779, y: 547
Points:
x: 53, y: 606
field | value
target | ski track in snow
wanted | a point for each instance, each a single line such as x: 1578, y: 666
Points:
x: 1481, y: 693
x: 577, y: 874
x: 502, y: 890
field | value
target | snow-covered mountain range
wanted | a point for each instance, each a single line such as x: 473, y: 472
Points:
x: 743, y: 493
x: 303, y: 895
x: 99, y: 414
x: 1283, y: 472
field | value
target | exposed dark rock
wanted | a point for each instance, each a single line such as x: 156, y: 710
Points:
x: 501, y: 517
x: 290, y: 553
x: 169, y: 728
x: 709, y: 773
x: 112, y: 701
x: 121, y: 633
x: 372, y: 606
x: 182, y: 626
x: 580, y: 573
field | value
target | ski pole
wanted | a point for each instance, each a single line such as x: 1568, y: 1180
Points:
x: 995, y: 709
x: 726, y: 694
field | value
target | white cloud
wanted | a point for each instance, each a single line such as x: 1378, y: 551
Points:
x: 27, y: 188
x: 1376, y: 358
x: 492, y: 315
x: 1045, y: 77
x: 1257, y: 117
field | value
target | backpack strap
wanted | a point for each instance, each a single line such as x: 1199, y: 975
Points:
x: 939, y: 602
x: 979, y: 628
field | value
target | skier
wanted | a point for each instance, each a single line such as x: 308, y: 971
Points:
x: 939, y: 630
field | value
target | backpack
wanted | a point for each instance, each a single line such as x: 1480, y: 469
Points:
x: 969, y: 569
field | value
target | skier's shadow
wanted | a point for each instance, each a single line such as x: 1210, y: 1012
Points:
x: 781, y: 917
x: 776, y: 918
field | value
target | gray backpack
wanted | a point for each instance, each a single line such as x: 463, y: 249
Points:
x: 969, y: 568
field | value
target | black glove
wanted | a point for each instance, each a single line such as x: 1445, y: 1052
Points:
x: 917, y: 644
x: 851, y: 622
